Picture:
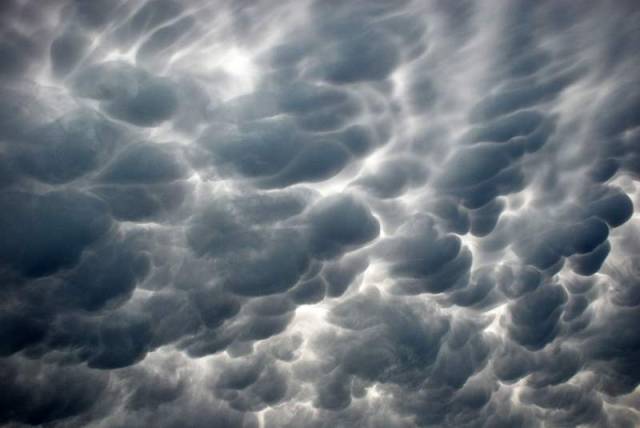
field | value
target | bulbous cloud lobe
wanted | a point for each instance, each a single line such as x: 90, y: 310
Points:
x: 319, y: 213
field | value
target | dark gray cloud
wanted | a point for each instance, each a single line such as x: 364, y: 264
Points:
x: 370, y: 213
x: 48, y: 232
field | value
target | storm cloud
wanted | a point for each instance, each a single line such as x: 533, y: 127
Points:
x: 319, y: 213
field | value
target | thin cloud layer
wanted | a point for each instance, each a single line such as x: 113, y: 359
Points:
x: 319, y: 214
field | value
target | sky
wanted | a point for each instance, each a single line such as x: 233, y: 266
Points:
x: 319, y: 213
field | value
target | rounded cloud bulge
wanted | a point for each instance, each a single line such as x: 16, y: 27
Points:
x: 319, y: 213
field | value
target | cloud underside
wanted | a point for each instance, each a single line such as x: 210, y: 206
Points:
x: 319, y: 214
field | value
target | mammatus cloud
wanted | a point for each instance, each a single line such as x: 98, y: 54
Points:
x: 319, y: 213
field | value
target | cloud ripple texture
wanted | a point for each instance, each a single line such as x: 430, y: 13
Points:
x: 319, y: 213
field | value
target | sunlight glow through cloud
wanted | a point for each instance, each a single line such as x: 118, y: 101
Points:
x: 319, y: 213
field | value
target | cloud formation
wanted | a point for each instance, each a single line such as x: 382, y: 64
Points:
x: 408, y: 213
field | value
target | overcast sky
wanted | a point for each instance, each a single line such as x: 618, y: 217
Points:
x: 325, y: 214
